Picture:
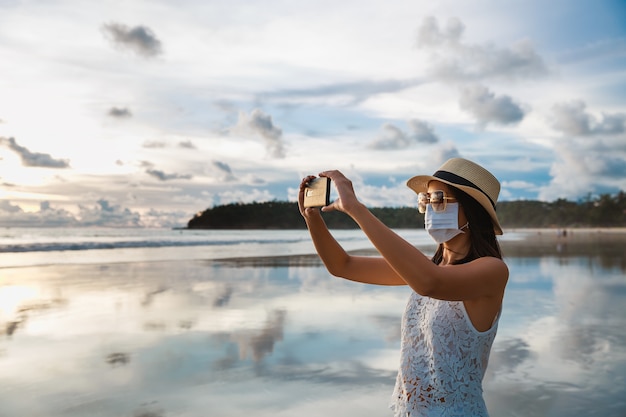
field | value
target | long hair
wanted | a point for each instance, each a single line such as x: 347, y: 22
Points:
x: 483, y: 240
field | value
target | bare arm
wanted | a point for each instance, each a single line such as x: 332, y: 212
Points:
x: 482, y: 278
x: 369, y: 270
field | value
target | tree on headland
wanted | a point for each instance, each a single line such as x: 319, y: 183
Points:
x: 604, y: 211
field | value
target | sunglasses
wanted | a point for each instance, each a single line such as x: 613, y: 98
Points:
x: 436, y: 199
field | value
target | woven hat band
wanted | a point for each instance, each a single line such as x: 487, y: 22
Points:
x: 453, y: 178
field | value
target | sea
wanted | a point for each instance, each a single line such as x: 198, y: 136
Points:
x: 175, y: 322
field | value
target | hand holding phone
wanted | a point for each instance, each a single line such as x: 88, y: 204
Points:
x: 317, y: 192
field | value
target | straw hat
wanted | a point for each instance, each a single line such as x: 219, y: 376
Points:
x: 466, y: 176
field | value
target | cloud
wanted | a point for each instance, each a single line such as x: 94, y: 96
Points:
x: 358, y: 91
x: 105, y: 213
x: 164, y: 218
x: 445, y: 152
x: 457, y: 61
x: 429, y: 34
x: 7, y: 207
x: 162, y: 176
x: 139, y: 39
x: 591, y: 155
x: 154, y: 144
x: 393, y: 137
x: 583, y: 166
x: 34, y: 159
x: 261, y: 124
x: 102, y: 213
x: 573, y: 119
x: 518, y: 184
x: 488, y: 108
x: 13, y: 216
x: 224, y: 171
x: 244, y: 196
x: 187, y: 144
x: 119, y: 112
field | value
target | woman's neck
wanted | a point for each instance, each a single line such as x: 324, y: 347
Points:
x: 455, y: 249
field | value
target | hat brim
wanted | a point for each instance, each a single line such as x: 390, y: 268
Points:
x: 419, y: 184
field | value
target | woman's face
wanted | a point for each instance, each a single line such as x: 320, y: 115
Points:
x: 437, y: 186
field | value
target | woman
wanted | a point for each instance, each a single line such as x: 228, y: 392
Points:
x: 452, y: 315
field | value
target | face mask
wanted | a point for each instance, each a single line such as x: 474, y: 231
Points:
x: 443, y: 225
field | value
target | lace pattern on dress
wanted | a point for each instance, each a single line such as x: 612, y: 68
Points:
x: 443, y: 360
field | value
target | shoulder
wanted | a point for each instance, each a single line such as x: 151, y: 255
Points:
x: 484, y: 269
x: 482, y: 277
x: 493, y: 269
x: 491, y: 262
x: 492, y: 265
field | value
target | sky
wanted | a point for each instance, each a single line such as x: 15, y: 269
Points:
x: 143, y: 113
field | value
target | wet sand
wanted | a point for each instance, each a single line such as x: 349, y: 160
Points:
x: 543, y: 242
x: 514, y: 243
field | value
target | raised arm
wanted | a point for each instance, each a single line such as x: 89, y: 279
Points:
x: 370, y: 270
x: 484, y: 277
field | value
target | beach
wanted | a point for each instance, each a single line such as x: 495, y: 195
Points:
x: 253, y: 324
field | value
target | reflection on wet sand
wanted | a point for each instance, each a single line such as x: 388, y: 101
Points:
x: 280, y: 337
x: 18, y: 303
x: 118, y: 359
x: 569, y: 356
x: 607, y: 246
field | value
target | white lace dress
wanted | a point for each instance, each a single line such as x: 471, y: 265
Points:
x: 443, y: 361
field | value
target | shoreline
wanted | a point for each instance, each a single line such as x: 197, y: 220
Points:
x: 532, y: 242
x: 514, y: 243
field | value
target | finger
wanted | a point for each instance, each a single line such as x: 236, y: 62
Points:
x: 306, y: 180
x: 328, y: 208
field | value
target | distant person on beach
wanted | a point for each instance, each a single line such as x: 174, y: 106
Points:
x: 452, y: 315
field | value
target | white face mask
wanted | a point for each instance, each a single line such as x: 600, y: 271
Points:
x: 443, y: 225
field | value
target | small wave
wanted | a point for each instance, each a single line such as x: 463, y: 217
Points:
x: 78, y: 246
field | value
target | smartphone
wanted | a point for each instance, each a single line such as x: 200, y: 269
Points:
x: 317, y: 192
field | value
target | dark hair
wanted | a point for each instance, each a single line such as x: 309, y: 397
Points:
x: 483, y: 240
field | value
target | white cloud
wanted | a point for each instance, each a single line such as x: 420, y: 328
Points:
x: 457, y: 61
x: 139, y: 39
x: 162, y: 176
x: 223, y: 170
x: 120, y: 112
x: 258, y: 123
x: 571, y: 118
x: 186, y: 144
x: 488, y: 108
x: 393, y: 137
x: 521, y: 185
x: 244, y: 196
x: 582, y: 167
x: 34, y: 159
x: 591, y: 153
x: 47, y: 216
x: 102, y: 213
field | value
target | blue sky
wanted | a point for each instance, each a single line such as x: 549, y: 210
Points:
x: 142, y: 113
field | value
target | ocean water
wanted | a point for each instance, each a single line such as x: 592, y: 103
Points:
x: 155, y: 323
x: 42, y: 246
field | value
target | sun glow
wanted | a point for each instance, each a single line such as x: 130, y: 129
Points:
x: 13, y: 297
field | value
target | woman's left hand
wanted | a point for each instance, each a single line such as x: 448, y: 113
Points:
x: 347, y: 200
